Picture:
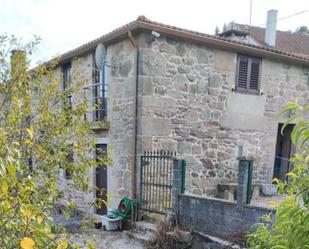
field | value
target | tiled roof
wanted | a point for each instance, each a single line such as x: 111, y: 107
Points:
x: 220, y: 42
x: 297, y: 44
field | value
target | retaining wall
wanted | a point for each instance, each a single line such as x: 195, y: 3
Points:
x: 218, y: 217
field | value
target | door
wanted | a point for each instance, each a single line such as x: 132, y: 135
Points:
x: 101, y: 178
x: 284, y: 151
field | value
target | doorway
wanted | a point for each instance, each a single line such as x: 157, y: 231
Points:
x: 101, y: 178
x: 284, y: 151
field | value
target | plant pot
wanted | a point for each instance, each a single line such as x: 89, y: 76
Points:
x: 98, y: 225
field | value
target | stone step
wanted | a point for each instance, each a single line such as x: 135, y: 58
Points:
x: 144, y: 238
x: 154, y: 217
x: 144, y: 232
x: 145, y: 227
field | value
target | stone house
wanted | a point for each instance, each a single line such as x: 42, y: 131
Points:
x: 209, y: 98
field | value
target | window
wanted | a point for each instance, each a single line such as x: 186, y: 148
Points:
x: 30, y: 163
x: 99, y: 93
x: 101, y: 179
x: 69, y: 161
x: 67, y: 75
x: 248, y: 74
x: 284, y: 151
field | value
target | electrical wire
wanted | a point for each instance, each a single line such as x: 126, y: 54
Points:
x: 284, y: 18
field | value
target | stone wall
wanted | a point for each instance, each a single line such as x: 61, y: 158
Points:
x: 218, y: 217
x: 81, y: 76
x: 120, y: 115
x: 187, y: 104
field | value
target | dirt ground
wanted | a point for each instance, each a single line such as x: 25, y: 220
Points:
x: 102, y: 239
x: 107, y: 240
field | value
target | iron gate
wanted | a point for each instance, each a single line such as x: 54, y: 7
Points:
x: 156, y: 180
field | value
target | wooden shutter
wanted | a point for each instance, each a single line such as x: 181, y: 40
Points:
x: 248, y: 74
x: 242, y: 73
x: 254, y: 75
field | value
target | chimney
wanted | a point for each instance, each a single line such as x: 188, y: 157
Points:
x: 18, y: 63
x: 271, y: 26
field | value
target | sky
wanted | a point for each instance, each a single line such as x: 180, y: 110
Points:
x: 63, y: 25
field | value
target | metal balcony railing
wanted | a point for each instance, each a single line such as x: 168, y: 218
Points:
x: 97, y: 101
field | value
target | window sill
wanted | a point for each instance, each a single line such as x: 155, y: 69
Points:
x: 100, y: 125
x: 249, y: 93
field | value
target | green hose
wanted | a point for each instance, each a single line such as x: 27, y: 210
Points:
x: 125, y: 208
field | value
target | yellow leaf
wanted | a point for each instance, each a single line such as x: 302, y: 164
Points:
x: 91, y: 246
x: 62, y: 245
x: 6, y: 204
x: 5, y: 188
x: 11, y: 170
x: 39, y: 219
x: 27, y: 243
x: 15, y: 100
x: 273, y: 204
x: 30, y: 132
x: 27, y: 142
x: 291, y: 174
x: 27, y: 213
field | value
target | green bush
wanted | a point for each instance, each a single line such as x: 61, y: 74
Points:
x: 290, y: 228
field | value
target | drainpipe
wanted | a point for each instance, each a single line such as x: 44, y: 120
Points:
x: 135, y: 106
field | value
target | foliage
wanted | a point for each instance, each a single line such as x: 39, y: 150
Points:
x: 302, y: 30
x: 36, y: 130
x: 170, y: 236
x: 290, y: 228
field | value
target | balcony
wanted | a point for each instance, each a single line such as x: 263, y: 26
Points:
x: 95, y: 98
x: 100, y: 125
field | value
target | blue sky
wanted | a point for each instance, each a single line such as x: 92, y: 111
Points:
x: 66, y: 24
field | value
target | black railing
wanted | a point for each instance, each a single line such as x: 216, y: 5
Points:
x: 156, y: 181
x: 98, y: 101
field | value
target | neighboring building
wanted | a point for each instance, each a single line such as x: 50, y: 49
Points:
x: 295, y: 43
x: 206, y: 97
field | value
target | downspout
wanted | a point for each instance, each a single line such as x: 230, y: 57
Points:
x: 135, y: 106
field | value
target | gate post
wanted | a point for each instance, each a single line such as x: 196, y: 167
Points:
x: 177, y: 183
x: 244, y: 186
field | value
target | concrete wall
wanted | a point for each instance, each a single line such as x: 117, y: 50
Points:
x: 186, y: 104
x: 218, y: 217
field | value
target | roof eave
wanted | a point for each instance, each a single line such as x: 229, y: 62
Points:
x: 106, y: 39
x: 227, y: 45
x: 197, y: 37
